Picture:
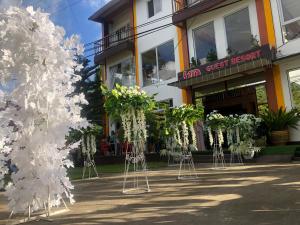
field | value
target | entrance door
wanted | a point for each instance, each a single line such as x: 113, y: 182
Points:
x: 237, y: 101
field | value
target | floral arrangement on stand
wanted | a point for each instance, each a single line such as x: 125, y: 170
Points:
x: 215, y: 123
x: 130, y: 105
x: 89, y: 149
x: 180, y: 126
x: 240, y: 133
x: 248, y: 124
x: 88, y: 144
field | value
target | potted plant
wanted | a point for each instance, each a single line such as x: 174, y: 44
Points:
x: 278, y: 123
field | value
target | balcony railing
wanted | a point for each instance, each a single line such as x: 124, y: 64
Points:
x: 113, y: 40
x: 178, y: 5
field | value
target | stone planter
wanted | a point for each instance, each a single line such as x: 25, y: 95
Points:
x: 280, y: 137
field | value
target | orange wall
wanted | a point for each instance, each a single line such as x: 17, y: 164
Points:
x: 267, y: 36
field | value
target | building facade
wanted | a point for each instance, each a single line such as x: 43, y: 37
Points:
x: 231, y: 56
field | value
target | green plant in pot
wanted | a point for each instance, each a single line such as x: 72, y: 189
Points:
x: 278, y: 123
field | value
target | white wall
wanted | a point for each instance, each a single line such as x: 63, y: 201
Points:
x: 286, y: 49
x: 150, y: 41
x: 285, y: 67
x: 219, y: 24
x: 120, y: 21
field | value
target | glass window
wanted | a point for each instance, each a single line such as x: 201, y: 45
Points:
x: 238, y: 31
x: 149, y: 67
x: 290, y: 10
x: 205, y: 43
x: 294, y: 77
x: 166, y: 61
x: 154, y: 7
x: 122, y: 73
x: 159, y: 64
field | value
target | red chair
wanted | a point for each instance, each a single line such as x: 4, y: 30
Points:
x: 104, y: 147
x: 125, y: 146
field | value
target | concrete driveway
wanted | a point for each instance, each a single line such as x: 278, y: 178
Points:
x: 245, y: 195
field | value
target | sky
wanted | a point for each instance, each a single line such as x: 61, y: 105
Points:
x: 72, y: 15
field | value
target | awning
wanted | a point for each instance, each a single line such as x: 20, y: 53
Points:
x: 109, y: 10
x: 226, y: 68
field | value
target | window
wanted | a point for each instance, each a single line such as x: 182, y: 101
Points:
x: 205, y: 43
x: 290, y: 19
x: 159, y: 64
x: 154, y: 7
x: 238, y: 31
x: 122, y: 73
x: 294, y: 78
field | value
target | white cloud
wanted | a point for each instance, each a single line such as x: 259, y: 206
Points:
x: 6, y: 3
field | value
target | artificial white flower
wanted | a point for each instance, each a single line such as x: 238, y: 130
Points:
x: 37, y: 62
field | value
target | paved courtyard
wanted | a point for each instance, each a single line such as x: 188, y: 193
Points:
x: 254, y: 194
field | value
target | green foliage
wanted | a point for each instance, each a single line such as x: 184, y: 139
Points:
x: 89, y: 86
x: 185, y: 113
x: 295, y: 90
x: 211, y: 56
x: 123, y: 99
x: 156, y: 123
x: 279, y: 150
x: 281, y: 119
x: 254, y: 41
x: 215, y: 120
x: 76, y: 135
x: 195, y: 63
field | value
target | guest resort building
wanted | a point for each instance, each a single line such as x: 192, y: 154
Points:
x: 234, y: 56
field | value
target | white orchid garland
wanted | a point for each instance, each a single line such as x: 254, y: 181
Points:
x: 215, y: 123
x: 181, y: 125
x: 130, y: 104
x: 193, y: 135
x: 88, y: 144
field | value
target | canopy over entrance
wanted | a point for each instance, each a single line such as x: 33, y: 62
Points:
x: 240, y: 65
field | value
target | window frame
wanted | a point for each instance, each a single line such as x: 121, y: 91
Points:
x: 199, y: 27
x: 157, y: 61
x: 284, y: 23
x: 121, y: 61
x: 154, y: 13
x: 289, y: 84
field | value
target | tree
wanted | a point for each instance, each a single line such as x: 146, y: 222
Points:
x: 90, y: 85
x: 37, y: 114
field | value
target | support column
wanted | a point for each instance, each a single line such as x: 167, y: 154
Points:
x: 267, y: 36
x: 136, y: 52
x: 184, y: 60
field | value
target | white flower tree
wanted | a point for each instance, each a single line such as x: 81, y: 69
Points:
x: 36, y: 115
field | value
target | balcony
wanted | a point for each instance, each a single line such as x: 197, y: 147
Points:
x: 122, y: 40
x: 186, y: 9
